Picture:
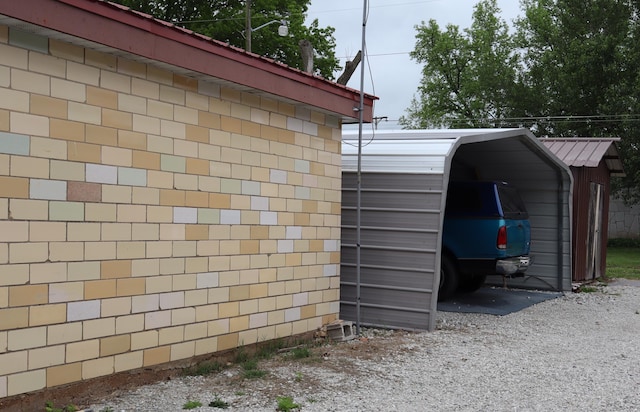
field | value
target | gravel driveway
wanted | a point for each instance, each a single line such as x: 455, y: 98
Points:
x: 579, y: 352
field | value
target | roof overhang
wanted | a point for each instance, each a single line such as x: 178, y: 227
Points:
x: 587, y: 152
x: 117, y: 30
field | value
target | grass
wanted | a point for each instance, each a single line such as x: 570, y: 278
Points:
x: 192, y: 405
x: 286, y: 404
x: 623, y: 262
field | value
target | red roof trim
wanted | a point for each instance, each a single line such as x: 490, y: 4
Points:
x: 138, y: 33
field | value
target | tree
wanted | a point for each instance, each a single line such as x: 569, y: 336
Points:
x: 467, y: 77
x: 224, y: 20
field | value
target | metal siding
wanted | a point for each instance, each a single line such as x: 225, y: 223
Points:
x: 402, y: 189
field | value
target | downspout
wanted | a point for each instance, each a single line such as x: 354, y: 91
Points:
x: 560, y: 229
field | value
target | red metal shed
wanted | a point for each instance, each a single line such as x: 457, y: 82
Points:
x: 592, y: 162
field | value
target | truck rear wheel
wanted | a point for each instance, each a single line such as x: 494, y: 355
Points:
x: 472, y: 283
x: 449, y: 278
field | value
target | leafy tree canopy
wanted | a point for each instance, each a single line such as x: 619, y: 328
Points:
x: 225, y: 20
x: 571, y: 68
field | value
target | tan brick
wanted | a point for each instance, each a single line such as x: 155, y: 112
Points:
x: 66, y: 51
x: 144, y: 340
x: 63, y: 374
x: 101, y: 97
x: 83, y: 152
x: 29, y: 81
x: 228, y: 341
x: 98, y: 328
x: 48, y: 106
x: 52, y: 149
x: 95, y: 212
x: 143, y: 231
x: 4, y: 120
x: 130, y: 287
x: 100, y: 289
x: 101, y: 135
x: 67, y: 211
x: 132, y: 140
x: 115, y: 344
x: 115, y: 269
x: 115, y: 307
x: 171, y: 335
x: 14, y: 274
x: 81, y: 112
x: 28, y: 295
x: 14, y: 231
x: 48, y: 272
x: 159, y: 179
x: 116, y: 231
x: 67, y: 90
x: 116, y: 156
x: 199, y: 134
x: 47, y: 314
x: 116, y: 194
x: 29, y: 167
x: 172, y: 197
x: 13, y: 362
x: 83, y: 270
x: 26, y: 382
x: 128, y: 361
x: 67, y: 130
x: 130, y: 324
x: 44, y: 357
x: 196, y: 232
x: 145, y: 196
x: 61, y: 170
x: 157, y: 356
x: 159, y: 214
x: 14, y: 187
x: 14, y: 318
x: 116, y: 119
x: 145, y: 160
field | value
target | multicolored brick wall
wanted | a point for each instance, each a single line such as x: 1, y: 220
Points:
x: 146, y: 217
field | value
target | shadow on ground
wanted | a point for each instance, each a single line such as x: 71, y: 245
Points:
x: 495, y: 301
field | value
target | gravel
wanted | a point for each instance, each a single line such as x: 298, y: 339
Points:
x: 579, y: 352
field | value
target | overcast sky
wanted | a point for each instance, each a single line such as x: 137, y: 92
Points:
x: 390, y: 35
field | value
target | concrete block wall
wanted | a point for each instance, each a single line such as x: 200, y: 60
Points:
x: 624, y: 221
x: 147, y: 217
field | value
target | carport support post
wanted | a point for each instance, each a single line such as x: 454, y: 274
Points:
x: 359, y: 174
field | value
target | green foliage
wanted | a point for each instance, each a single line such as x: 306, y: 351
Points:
x: 624, y: 243
x: 49, y: 407
x: 205, y: 368
x: 218, y: 403
x: 107, y: 409
x: 192, y: 405
x: 225, y: 20
x: 251, y: 371
x: 301, y: 352
x: 286, y: 403
x: 623, y: 262
x: 571, y: 68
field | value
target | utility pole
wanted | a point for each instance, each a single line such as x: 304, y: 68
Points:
x: 247, y: 26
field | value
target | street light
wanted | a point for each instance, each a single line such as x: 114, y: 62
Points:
x: 283, y: 29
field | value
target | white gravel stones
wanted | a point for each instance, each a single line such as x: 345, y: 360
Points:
x: 580, y: 352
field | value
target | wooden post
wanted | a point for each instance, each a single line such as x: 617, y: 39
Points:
x: 349, y: 68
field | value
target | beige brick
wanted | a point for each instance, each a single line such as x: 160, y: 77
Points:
x: 29, y: 124
x: 26, y: 382
x: 14, y: 275
x: 47, y: 314
x: 83, y: 152
x: 68, y: 332
x: 13, y: 99
x: 27, y: 338
x: 115, y: 307
x: 29, y: 167
x: 66, y: 51
x: 158, y: 284
x: 30, y: 82
x: 132, y: 213
x: 83, y: 73
x: 28, y: 252
x: 63, y: 374
x: 14, y: 231
x: 145, y: 195
x: 145, y: 267
x: 13, y: 362
x: 144, y: 340
x: 159, y: 179
x: 78, y: 351
x: 183, y: 350
x: 48, y: 272
x: 29, y: 210
x: 52, y: 149
x: 100, y: 212
x: 99, y: 251
x: 4, y: 254
x: 83, y: 232
x: 159, y: 214
x: 66, y: 251
x: 83, y: 270
x: 116, y: 231
x: 116, y: 156
x: 131, y: 287
x: 116, y: 194
x: 98, y: 328
x: 44, y: 357
x: 171, y: 335
x: 145, y: 88
x: 97, y: 367
x: 67, y: 130
x: 67, y: 211
x: 128, y: 361
x: 61, y: 170
x: 48, y: 106
x: 132, y: 140
x: 130, y: 324
x: 67, y: 90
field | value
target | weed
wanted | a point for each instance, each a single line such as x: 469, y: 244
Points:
x: 251, y: 370
x: 241, y: 356
x: 623, y: 262
x: 298, y: 377
x: 205, y: 368
x: 218, y: 403
x: 587, y: 289
x: 286, y: 404
x: 106, y: 409
x: 48, y: 407
x: 239, y: 393
x: 301, y: 353
x: 192, y: 405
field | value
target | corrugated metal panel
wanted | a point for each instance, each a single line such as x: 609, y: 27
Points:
x: 403, y: 184
x: 587, y: 152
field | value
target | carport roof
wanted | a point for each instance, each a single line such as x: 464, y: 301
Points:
x: 587, y: 152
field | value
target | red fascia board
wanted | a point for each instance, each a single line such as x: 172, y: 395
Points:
x: 123, y: 29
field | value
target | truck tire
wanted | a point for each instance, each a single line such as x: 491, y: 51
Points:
x: 472, y: 283
x: 449, y: 278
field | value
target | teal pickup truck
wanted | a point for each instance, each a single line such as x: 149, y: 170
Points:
x: 486, y: 231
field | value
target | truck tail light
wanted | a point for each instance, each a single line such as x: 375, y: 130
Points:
x: 501, y: 242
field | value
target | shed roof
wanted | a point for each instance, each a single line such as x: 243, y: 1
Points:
x: 587, y: 152
x: 117, y: 30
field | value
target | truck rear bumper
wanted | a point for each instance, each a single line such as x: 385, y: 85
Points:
x: 510, y: 266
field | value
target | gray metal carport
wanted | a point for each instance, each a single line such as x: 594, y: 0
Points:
x: 404, y: 179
